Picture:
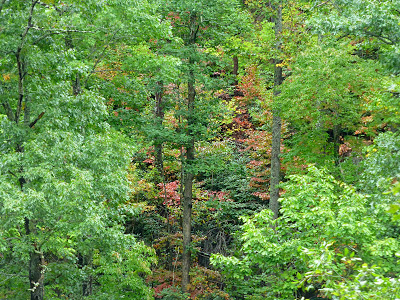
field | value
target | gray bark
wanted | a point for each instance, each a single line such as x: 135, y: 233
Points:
x: 276, y: 120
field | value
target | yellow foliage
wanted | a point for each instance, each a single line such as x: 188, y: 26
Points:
x: 6, y: 77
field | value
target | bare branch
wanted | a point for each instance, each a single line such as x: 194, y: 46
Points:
x: 41, y: 38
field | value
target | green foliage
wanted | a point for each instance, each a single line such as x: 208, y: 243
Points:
x: 322, y: 222
x: 63, y: 180
x: 120, y: 274
x: 79, y: 82
x: 361, y: 282
x: 215, y: 21
x: 376, y: 23
x: 324, y: 100
x: 172, y: 294
x: 379, y: 180
x: 394, y: 208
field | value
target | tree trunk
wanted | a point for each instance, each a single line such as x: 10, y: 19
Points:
x: 187, y: 223
x: 159, y: 115
x: 87, y: 284
x: 276, y: 120
x: 336, y: 143
x: 235, y: 70
x: 83, y: 260
x: 36, y: 260
x: 188, y: 186
x: 36, y: 263
x: 159, y: 161
x: 188, y: 171
x: 36, y: 275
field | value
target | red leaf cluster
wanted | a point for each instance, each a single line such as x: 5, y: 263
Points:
x: 169, y: 193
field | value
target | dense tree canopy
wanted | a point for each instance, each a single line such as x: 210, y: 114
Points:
x: 199, y: 149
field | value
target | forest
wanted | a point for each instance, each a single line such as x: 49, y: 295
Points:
x: 200, y: 149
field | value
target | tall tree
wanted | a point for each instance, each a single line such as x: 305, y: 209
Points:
x: 62, y: 169
x: 197, y: 23
x: 276, y: 121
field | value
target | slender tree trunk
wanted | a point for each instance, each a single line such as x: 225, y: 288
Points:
x: 159, y: 161
x: 36, y: 263
x: 188, y: 171
x: 159, y: 115
x: 83, y: 260
x: 276, y: 119
x: 36, y: 259
x: 186, y: 222
x: 87, y: 284
x: 336, y: 143
x: 235, y: 71
x: 188, y: 186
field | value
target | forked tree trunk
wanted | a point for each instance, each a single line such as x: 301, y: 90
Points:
x: 276, y: 119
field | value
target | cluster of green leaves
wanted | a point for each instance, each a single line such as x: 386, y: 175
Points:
x: 329, y: 90
x: 366, y: 20
x: 312, y: 245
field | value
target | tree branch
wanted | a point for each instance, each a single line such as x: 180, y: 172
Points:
x: 21, y: 64
x: 37, y: 119
x: 61, y: 31
x: 48, y: 6
x: 323, y: 3
x: 100, y: 57
x: 342, y: 36
x: 12, y: 174
x: 385, y: 39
